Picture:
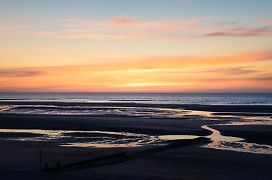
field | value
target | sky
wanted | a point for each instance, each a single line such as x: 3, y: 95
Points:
x: 135, y: 46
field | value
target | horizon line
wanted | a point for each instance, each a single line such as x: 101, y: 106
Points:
x: 148, y: 92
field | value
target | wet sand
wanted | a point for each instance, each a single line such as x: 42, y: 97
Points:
x: 155, y: 126
x: 261, y: 134
x: 21, y: 158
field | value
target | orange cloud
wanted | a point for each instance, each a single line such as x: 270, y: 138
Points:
x: 146, y: 74
x: 192, y: 61
x: 19, y: 72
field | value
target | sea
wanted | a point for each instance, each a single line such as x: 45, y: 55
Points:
x: 154, y: 98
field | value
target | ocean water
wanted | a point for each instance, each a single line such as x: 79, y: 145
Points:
x: 154, y: 98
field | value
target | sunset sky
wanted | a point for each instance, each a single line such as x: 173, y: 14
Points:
x: 135, y: 45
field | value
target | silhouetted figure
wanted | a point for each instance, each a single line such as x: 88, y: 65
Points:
x: 58, y: 164
x: 40, y: 153
x: 46, y: 166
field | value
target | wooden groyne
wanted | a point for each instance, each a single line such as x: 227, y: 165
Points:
x: 123, y: 157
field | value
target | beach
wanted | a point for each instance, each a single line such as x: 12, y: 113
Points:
x: 134, y: 141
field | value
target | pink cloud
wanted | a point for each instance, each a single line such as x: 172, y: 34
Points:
x: 127, y: 22
x: 269, y: 23
x: 127, y: 28
x: 121, y: 36
x: 5, y: 29
x: 161, y: 25
x: 121, y: 28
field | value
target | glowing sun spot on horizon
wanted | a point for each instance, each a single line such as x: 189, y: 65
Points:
x: 149, y: 84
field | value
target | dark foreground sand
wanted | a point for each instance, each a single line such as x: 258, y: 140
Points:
x: 190, y: 162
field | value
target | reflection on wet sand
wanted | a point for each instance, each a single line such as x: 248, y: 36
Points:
x: 234, y: 143
x: 100, y: 145
x: 5, y: 108
x: 146, y: 112
x: 198, y: 113
x: 106, y: 139
x: 177, y: 137
x: 97, y: 139
x: 254, y: 120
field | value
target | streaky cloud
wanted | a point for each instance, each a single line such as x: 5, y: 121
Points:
x: 128, y: 28
x: 241, y: 32
x: 20, y: 73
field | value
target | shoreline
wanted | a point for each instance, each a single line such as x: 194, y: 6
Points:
x: 196, y: 107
